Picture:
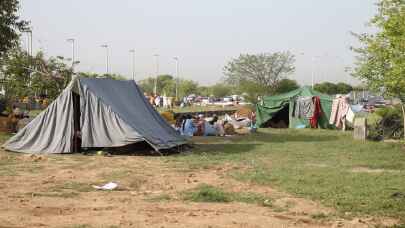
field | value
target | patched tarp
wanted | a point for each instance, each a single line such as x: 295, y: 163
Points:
x: 271, y: 105
x: 113, y: 113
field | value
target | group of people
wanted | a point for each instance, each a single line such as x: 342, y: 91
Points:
x: 160, y: 101
x: 189, y: 125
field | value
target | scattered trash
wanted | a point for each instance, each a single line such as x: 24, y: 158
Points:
x: 103, y: 153
x: 108, y: 186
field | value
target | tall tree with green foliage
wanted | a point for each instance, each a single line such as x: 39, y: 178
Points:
x: 34, y: 75
x: 259, y: 74
x: 381, y: 58
x: 332, y: 88
x: 221, y: 90
x: 286, y: 85
x: 166, y: 85
x: 10, y: 25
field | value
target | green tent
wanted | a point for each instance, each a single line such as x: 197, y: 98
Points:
x: 272, y: 106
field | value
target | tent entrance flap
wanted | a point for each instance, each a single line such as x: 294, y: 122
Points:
x: 281, y: 119
x: 77, y: 141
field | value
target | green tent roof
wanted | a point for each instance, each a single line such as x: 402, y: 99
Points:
x: 270, y: 105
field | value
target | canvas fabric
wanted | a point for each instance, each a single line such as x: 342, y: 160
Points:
x: 271, y: 105
x: 113, y: 113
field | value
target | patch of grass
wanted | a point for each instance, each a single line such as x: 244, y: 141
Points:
x: 280, y: 158
x: 320, y: 216
x: 72, y: 186
x: 10, y: 165
x: 159, y: 198
x: 135, y: 183
x: 4, y: 137
x: 54, y: 194
x: 79, y: 226
x: 208, y: 193
x: 116, y: 175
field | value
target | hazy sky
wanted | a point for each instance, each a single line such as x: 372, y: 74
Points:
x: 204, y: 34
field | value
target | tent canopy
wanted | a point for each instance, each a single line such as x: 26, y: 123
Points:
x: 104, y: 112
x: 271, y: 105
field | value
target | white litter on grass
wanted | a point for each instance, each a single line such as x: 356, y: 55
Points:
x: 108, y: 186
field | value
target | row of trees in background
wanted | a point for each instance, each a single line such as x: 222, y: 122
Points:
x: 252, y: 75
x: 166, y: 85
x: 332, y: 88
x: 36, y: 75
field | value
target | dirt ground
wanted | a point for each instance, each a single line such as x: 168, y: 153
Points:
x: 56, y: 191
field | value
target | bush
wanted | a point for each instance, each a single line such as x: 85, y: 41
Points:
x: 386, y: 123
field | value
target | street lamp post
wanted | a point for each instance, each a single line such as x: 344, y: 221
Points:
x: 29, y: 46
x: 72, y: 40
x: 132, y: 51
x: 313, y: 70
x: 107, y: 57
x: 29, y: 52
x: 157, y: 74
x: 176, y: 59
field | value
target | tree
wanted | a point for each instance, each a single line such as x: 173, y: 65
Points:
x: 326, y: 87
x: 286, y: 85
x: 259, y: 74
x: 381, y: 58
x: 221, y: 90
x: 187, y: 87
x: 205, y: 91
x: 166, y: 85
x: 343, y: 88
x: 10, y: 24
x: 332, y: 89
x: 34, y: 75
x: 380, y: 61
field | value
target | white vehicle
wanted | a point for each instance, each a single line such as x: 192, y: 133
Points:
x: 228, y: 99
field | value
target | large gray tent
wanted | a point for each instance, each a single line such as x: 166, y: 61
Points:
x: 103, y: 112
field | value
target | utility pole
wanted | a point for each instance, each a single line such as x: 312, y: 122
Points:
x: 29, y: 52
x: 157, y: 74
x: 29, y: 46
x: 132, y: 51
x: 72, y: 40
x: 107, y: 58
x: 176, y: 59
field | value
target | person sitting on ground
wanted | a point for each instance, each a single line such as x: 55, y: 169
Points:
x: 200, y: 124
x: 209, y: 127
x: 17, y: 112
x: 188, y: 128
x: 229, y: 129
x: 178, y: 124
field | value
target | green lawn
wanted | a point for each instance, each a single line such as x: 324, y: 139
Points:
x: 362, y: 178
